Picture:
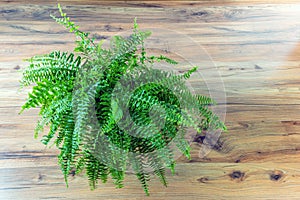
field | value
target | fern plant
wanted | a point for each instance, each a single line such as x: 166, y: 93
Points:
x: 108, y: 110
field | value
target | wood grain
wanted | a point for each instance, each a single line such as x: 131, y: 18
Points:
x: 255, y: 47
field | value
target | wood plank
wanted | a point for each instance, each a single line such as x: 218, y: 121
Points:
x: 254, y: 45
x: 192, y: 181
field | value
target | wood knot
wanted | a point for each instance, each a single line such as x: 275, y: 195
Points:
x: 202, y: 180
x: 72, y: 172
x: 276, y: 175
x: 200, y: 13
x: 17, y: 67
x: 212, y: 142
x: 237, y: 175
x: 243, y: 124
x: 199, y: 139
x: 257, y: 67
x: 41, y: 177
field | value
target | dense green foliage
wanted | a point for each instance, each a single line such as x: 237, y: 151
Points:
x: 108, y: 110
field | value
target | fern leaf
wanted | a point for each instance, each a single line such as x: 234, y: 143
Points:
x: 71, y: 145
x: 160, y: 58
x: 156, y: 164
x: 138, y: 166
x: 95, y: 170
x: 52, y: 67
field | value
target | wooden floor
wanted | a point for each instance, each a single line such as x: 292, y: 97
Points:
x: 255, y: 47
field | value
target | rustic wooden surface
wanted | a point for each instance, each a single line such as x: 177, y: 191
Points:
x: 255, y: 47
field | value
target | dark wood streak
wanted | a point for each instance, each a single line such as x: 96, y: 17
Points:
x: 24, y: 155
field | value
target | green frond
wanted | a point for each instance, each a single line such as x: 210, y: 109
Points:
x: 156, y: 163
x: 167, y: 157
x: 42, y: 94
x: 188, y: 74
x: 139, y: 166
x: 53, y: 115
x: 160, y: 58
x: 70, y: 145
x: 80, y: 165
x: 117, y: 176
x: 52, y: 67
x: 182, y: 144
x: 204, y: 100
x: 95, y: 170
x: 124, y: 47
